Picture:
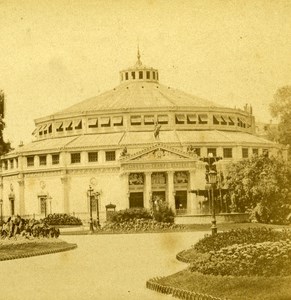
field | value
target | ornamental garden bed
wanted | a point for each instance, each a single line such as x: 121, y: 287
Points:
x: 22, y: 247
x: 252, y: 263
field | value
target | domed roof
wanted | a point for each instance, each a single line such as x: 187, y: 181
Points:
x: 138, y: 94
x: 139, y: 89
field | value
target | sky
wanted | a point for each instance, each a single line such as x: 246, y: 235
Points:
x: 56, y: 53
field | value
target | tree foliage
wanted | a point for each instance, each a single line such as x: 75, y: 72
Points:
x: 280, y: 108
x: 261, y: 185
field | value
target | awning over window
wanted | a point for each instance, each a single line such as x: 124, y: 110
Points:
x: 180, y: 118
x: 36, y: 130
x: 69, y: 125
x: 44, y: 129
x: 117, y: 120
x: 135, y: 119
x: 192, y: 118
x: 203, y: 118
x: 104, y: 121
x: 223, y: 120
x: 230, y: 121
x: 241, y: 122
x: 78, y: 124
x: 149, y: 119
x: 92, y: 122
x: 59, y: 126
x: 219, y: 118
x: 50, y: 128
x: 163, y: 118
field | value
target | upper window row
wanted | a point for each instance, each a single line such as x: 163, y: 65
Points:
x: 216, y: 120
x: 75, y: 158
x: 150, y: 119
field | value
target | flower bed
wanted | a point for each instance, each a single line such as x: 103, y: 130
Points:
x: 260, y: 259
x: 256, y: 251
x: 139, y: 225
x: 240, y: 236
x: 238, y: 264
x: 62, y: 219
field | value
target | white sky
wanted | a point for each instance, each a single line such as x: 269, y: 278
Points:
x: 56, y: 53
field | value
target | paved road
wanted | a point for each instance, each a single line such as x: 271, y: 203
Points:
x: 109, y: 267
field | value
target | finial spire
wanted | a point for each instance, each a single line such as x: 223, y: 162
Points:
x: 139, y: 63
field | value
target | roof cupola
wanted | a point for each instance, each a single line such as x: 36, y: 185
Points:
x: 139, y: 72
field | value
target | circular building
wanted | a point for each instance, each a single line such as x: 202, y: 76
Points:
x: 129, y: 146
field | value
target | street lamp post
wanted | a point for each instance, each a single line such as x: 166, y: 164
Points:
x: 212, y: 175
x: 97, y: 209
x: 1, y: 204
x: 90, y: 190
x: 50, y: 199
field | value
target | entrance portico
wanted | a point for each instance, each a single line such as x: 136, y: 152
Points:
x: 163, y: 173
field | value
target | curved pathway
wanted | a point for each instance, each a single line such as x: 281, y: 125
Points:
x: 109, y: 267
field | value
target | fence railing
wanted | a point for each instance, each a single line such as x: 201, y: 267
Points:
x: 154, y: 285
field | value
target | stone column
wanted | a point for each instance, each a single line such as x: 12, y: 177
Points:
x: 171, y: 195
x: 49, y: 160
x: 147, y: 190
x: 21, y: 194
x: 65, y: 184
x: 192, y: 199
x: 126, y: 193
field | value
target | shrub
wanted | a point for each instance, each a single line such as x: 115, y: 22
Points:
x: 62, y: 219
x: 240, y: 236
x: 261, y: 259
x: 130, y: 214
x: 163, y: 213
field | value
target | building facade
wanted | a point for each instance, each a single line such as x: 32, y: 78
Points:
x: 138, y: 142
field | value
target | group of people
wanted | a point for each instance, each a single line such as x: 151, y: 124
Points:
x: 28, y: 228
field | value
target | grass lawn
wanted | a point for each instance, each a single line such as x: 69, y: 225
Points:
x: 12, y: 249
x: 230, y: 287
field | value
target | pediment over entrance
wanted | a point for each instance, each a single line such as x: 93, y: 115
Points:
x: 158, y: 152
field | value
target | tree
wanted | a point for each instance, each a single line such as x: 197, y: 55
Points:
x: 4, y: 146
x: 280, y: 108
x: 261, y: 186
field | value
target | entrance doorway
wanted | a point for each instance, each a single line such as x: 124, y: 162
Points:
x: 136, y: 200
x: 43, y: 205
x: 181, y: 200
x: 12, y: 206
x: 160, y: 196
